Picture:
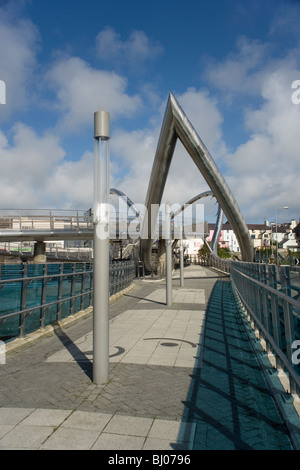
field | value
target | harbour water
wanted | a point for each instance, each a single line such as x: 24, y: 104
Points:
x: 28, y: 286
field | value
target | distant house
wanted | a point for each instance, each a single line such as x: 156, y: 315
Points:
x: 262, y: 235
x: 259, y: 233
x: 296, y: 231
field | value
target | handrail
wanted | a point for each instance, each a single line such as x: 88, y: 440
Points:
x: 47, y: 305
x: 276, y: 292
x: 274, y: 313
x: 220, y: 263
x: 122, y: 274
x: 272, y: 342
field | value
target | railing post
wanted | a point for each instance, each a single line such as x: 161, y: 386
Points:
x: 288, y: 329
x: 72, y: 289
x: 272, y: 276
x: 60, y: 291
x: 23, y: 300
x: 287, y: 314
x: 284, y: 276
x: 276, y: 330
x: 83, y: 286
x: 44, y: 295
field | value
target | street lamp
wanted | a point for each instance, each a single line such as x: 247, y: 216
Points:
x: 168, y: 256
x: 284, y: 207
x: 101, y: 249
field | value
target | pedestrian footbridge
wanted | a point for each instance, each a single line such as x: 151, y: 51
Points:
x: 214, y: 367
x: 204, y: 373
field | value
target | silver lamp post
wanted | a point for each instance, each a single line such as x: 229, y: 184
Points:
x: 168, y: 256
x: 181, y: 258
x: 101, y: 248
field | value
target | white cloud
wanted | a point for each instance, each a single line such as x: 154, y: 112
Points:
x: 202, y: 111
x: 264, y: 171
x: 81, y: 90
x: 19, y: 40
x: 134, y: 153
x: 241, y: 71
x: 138, y: 47
x: 27, y: 164
x: 71, y: 183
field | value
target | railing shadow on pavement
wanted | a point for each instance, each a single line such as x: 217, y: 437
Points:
x: 223, y: 398
x: 144, y: 299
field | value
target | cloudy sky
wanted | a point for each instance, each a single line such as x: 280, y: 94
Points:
x: 230, y: 64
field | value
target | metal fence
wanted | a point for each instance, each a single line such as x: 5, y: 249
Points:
x: 33, y: 296
x: 40, y: 219
x: 53, y: 251
x: 270, y: 295
x: 220, y: 263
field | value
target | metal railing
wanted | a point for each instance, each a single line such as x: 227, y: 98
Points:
x: 52, y: 251
x: 222, y: 264
x: 42, y: 219
x: 33, y: 224
x: 270, y: 296
x: 34, y: 296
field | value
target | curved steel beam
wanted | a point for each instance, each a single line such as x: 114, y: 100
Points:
x: 219, y: 222
x: 217, y: 231
x: 176, y: 125
x: 130, y: 204
x: 191, y: 201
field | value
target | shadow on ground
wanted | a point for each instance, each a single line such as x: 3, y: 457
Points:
x: 228, y: 399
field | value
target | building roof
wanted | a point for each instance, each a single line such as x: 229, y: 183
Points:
x: 227, y: 226
x: 281, y: 228
x: 258, y: 227
x: 296, y: 230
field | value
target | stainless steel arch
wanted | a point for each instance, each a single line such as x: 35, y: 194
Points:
x: 130, y: 204
x: 191, y: 201
x: 217, y: 231
x: 219, y: 221
x: 176, y: 125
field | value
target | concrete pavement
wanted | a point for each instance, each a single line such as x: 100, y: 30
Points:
x: 183, y: 377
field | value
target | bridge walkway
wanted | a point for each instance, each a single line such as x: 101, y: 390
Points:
x: 183, y: 377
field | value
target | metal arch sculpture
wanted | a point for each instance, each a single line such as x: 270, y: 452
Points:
x: 217, y: 231
x: 130, y: 204
x: 177, y: 126
x: 219, y: 222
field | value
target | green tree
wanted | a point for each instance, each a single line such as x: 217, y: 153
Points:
x: 223, y: 252
x: 204, y: 251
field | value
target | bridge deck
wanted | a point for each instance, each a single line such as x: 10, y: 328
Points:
x: 181, y: 377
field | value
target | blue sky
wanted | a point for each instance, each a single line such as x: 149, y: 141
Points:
x: 229, y: 63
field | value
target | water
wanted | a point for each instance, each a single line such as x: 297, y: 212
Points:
x: 13, y: 297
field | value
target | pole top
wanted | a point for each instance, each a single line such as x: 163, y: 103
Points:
x: 101, y: 125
